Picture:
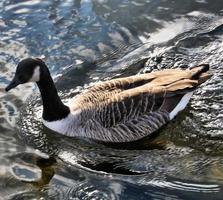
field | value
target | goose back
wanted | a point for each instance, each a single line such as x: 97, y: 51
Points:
x: 128, y: 109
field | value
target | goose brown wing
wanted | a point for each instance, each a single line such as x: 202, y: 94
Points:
x: 128, y: 109
x: 104, y: 91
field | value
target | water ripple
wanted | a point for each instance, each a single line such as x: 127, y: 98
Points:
x: 84, y: 42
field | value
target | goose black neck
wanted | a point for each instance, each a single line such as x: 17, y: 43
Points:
x: 53, y: 107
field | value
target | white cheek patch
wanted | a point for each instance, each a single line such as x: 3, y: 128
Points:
x: 36, y: 75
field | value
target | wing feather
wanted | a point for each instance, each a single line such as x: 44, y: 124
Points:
x: 130, y: 108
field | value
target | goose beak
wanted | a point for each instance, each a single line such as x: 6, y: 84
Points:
x: 12, y: 85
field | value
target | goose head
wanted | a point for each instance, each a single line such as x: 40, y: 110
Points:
x: 28, y: 70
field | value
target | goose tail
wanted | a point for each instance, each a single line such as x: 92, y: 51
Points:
x: 183, y: 89
x: 201, y: 73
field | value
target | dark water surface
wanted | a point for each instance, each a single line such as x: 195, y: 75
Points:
x: 91, y: 40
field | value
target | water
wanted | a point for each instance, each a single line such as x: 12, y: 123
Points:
x: 92, y: 40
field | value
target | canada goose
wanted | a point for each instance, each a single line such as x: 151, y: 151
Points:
x: 118, y: 110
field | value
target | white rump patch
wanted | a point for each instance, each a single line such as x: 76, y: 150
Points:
x: 181, y: 105
x: 36, y: 75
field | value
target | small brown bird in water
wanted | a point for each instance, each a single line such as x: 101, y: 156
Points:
x: 118, y: 110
